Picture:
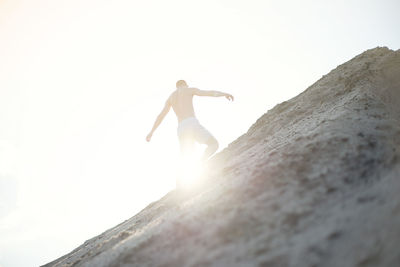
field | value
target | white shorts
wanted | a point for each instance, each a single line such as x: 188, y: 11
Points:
x: 190, y: 130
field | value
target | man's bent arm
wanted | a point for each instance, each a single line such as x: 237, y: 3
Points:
x: 159, y: 119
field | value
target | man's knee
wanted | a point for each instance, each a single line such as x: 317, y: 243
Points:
x: 212, y: 142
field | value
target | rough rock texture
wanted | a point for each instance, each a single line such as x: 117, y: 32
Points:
x: 314, y: 182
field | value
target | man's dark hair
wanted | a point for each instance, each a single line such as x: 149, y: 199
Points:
x: 181, y: 83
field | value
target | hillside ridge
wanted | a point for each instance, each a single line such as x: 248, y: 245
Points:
x: 313, y: 182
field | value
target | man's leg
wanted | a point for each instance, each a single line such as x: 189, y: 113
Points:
x: 212, y: 146
x: 186, y: 147
x: 205, y: 137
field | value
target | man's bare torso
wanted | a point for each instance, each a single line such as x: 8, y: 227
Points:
x: 181, y: 101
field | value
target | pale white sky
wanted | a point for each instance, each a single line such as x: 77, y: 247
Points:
x: 81, y: 82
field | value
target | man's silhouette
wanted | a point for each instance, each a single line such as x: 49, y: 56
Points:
x: 189, y: 128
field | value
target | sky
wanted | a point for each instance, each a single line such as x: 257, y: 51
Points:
x: 82, y: 81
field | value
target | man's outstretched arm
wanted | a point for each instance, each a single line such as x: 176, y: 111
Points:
x: 159, y: 119
x: 212, y: 93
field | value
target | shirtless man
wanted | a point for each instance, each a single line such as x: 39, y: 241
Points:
x: 189, y: 129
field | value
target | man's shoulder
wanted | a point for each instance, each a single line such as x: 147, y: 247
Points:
x: 188, y: 90
x: 193, y: 90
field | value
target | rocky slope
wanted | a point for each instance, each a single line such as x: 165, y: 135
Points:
x: 314, y: 182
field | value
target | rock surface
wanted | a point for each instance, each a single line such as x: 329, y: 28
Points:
x: 314, y: 182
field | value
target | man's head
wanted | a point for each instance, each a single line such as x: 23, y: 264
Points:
x: 181, y: 84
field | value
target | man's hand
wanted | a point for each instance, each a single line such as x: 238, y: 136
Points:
x: 148, y: 137
x: 229, y: 97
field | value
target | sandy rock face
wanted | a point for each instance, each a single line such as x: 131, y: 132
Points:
x: 314, y: 182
